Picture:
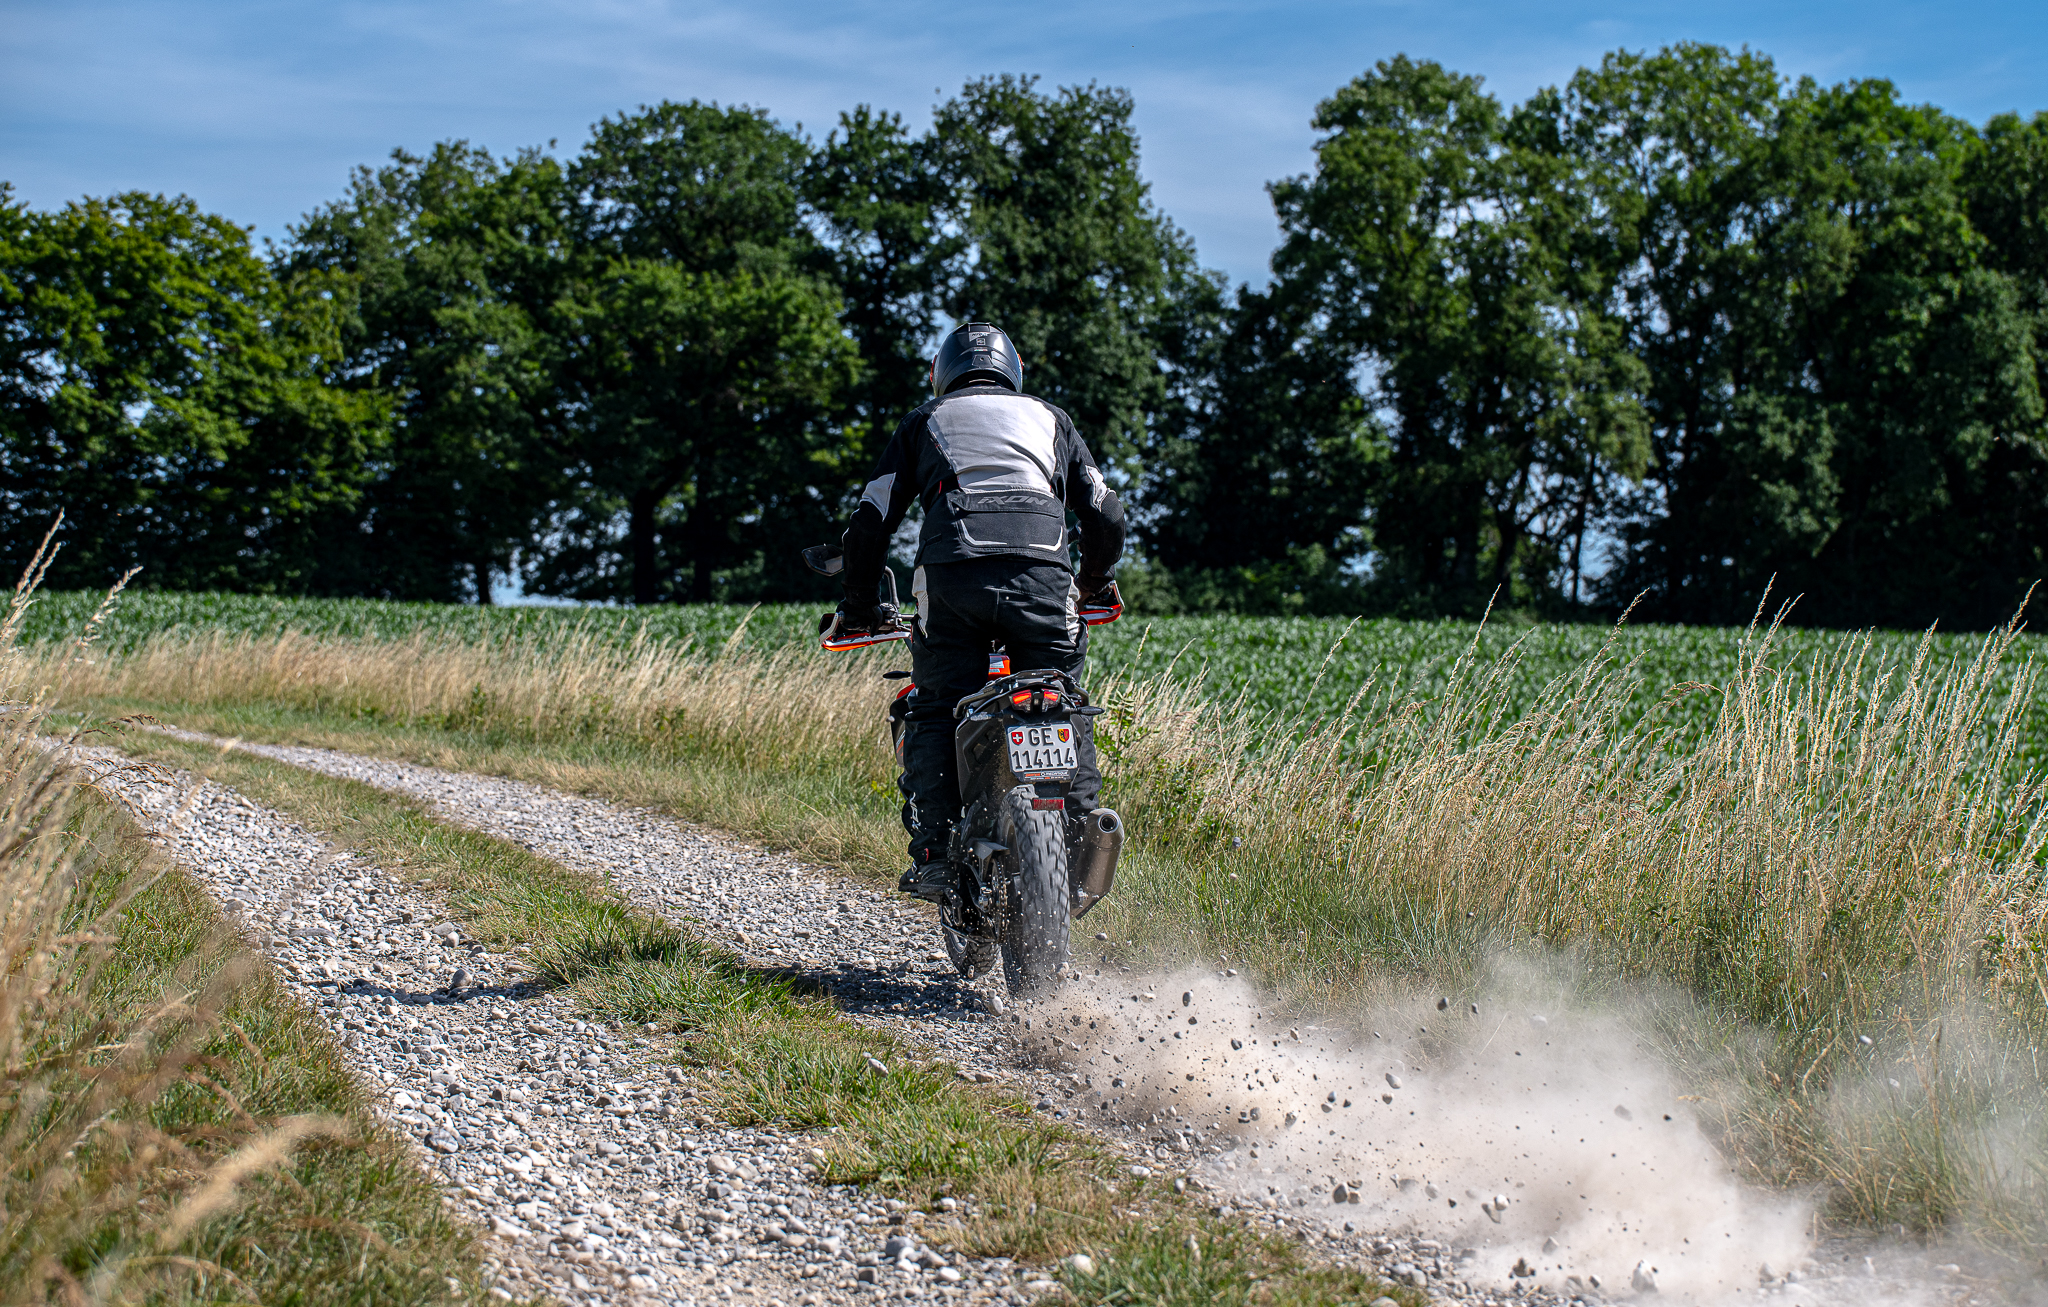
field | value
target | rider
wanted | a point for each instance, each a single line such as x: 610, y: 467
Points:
x: 996, y: 470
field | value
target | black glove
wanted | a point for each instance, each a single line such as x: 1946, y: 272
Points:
x: 1090, y: 586
x: 857, y: 616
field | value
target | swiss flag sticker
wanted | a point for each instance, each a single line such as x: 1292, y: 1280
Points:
x: 1016, y: 737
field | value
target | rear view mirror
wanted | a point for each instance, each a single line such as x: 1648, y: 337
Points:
x: 825, y: 560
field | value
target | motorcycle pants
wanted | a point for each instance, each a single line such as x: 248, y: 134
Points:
x: 962, y: 607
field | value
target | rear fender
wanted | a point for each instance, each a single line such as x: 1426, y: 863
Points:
x: 982, y: 763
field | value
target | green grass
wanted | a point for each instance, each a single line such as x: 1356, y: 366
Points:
x: 1843, y: 854
x: 1291, y: 666
x: 787, y: 1057
x: 58, y: 615
x: 350, y: 1220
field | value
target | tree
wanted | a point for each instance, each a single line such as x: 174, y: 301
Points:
x: 448, y: 267
x: 1066, y: 252
x: 1449, y: 254
x: 2005, y: 186
x: 172, y: 397
x: 702, y: 359
x: 706, y: 396
x: 1260, y: 468
x: 1843, y: 391
x: 1672, y: 138
x: 882, y: 202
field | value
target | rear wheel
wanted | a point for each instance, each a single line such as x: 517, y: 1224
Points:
x: 1036, y: 940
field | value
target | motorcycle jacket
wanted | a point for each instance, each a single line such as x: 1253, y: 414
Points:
x: 996, y: 472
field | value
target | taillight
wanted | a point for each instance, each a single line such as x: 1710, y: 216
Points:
x: 1022, y: 696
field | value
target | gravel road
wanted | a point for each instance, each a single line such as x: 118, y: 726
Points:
x: 586, y: 1151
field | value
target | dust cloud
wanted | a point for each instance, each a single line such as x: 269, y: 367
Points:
x: 1548, y: 1143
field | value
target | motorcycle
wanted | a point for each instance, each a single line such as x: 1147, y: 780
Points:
x: 1023, y: 872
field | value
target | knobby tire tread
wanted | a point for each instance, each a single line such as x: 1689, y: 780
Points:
x: 1037, y: 947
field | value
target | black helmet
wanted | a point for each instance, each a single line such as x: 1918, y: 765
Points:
x: 976, y: 351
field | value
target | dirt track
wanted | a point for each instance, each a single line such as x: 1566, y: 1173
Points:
x: 587, y: 1153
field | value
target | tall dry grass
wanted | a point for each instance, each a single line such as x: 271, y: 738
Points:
x: 1860, y: 819
x: 575, y: 685
x: 1830, y: 907
x: 1837, y: 890
x: 98, y: 1200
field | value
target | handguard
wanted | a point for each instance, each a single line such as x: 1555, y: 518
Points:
x: 833, y: 633
x: 836, y: 637
x: 1104, y: 607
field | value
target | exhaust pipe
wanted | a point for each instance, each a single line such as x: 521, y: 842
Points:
x: 1094, y: 871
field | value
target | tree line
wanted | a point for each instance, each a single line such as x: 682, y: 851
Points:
x: 1662, y: 334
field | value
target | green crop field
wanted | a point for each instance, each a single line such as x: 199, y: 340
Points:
x: 1286, y: 666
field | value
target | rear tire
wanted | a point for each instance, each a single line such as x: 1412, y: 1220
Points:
x: 1036, y: 941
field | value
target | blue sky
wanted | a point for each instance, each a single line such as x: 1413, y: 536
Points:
x: 259, y: 108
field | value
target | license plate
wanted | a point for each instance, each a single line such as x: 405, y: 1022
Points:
x: 1041, y: 749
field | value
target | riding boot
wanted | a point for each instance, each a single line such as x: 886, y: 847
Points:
x: 930, y: 877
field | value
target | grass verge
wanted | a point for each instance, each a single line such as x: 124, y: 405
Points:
x: 174, y: 1126
x: 226, y: 1155
x: 914, y: 1129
